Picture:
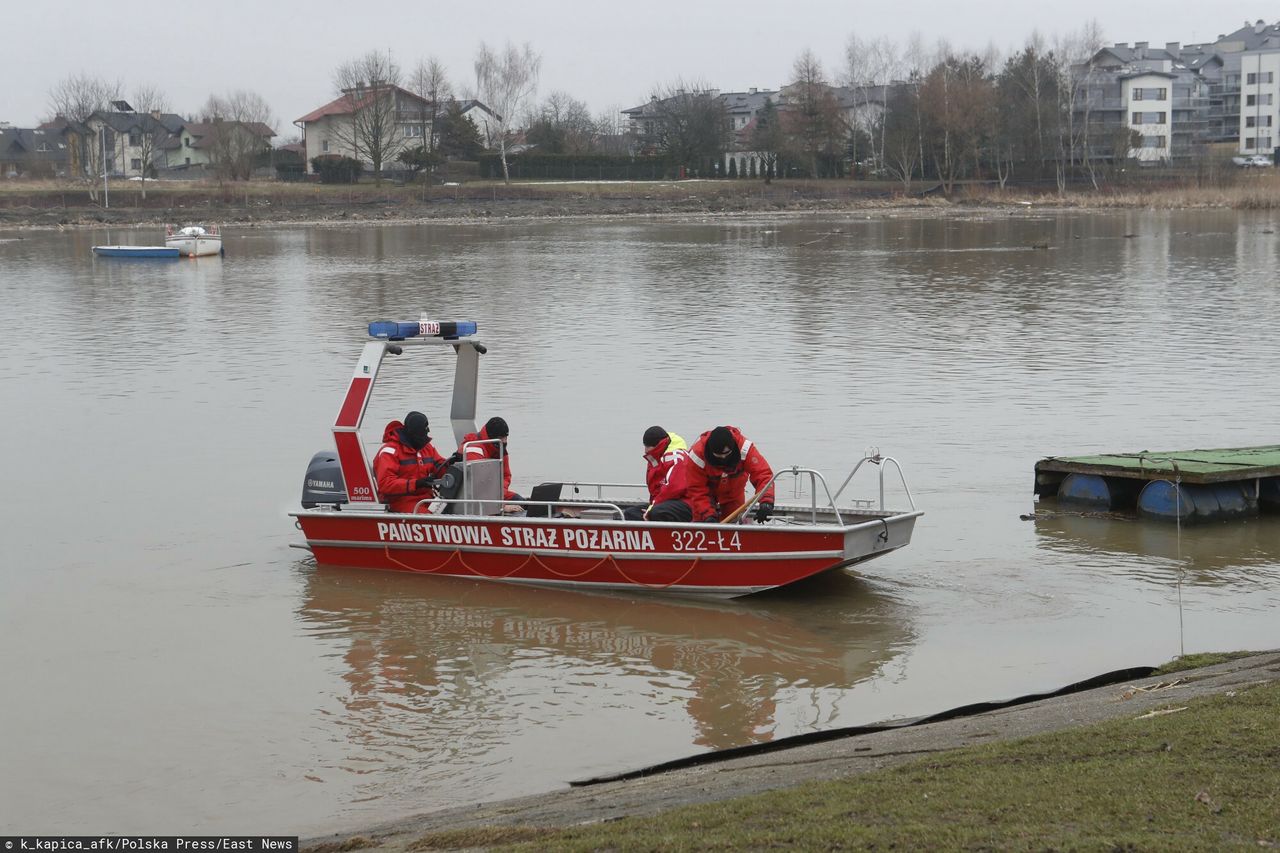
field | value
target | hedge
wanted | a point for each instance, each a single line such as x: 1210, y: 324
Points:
x: 570, y: 167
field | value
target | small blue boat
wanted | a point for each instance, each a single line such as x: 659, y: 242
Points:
x: 136, y: 252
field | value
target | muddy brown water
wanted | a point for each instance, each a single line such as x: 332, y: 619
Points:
x: 171, y: 664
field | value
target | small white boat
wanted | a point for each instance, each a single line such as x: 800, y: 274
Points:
x: 194, y: 240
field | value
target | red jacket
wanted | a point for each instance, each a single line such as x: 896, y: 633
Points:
x: 489, y: 451
x: 397, y: 467
x: 714, y: 493
x: 665, y: 455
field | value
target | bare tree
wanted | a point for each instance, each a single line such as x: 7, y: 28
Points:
x: 430, y: 82
x: 858, y: 76
x: 813, y: 114
x: 916, y: 60
x: 610, y: 131
x: 76, y: 98
x: 150, y: 104
x: 1074, y: 52
x: 240, y: 123
x: 369, y: 89
x: 768, y: 139
x: 689, y: 123
x: 561, y: 125
x: 958, y: 101
x: 902, y: 133
x: 505, y: 82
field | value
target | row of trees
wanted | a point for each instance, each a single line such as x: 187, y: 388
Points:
x: 904, y: 112
x: 911, y: 113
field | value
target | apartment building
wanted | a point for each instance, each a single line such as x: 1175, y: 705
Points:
x: 1178, y: 98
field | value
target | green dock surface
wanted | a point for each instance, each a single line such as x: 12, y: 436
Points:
x: 1192, y: 466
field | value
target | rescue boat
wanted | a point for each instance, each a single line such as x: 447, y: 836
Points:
x: 564, y: 535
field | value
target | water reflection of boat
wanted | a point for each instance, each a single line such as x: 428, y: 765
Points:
x: 411, y: 651
x: 1205, y: 549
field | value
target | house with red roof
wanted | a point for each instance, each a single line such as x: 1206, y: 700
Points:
x: 398, y: 118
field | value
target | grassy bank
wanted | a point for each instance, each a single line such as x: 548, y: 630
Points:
x: 50, y: 203
x: 1197, y: 775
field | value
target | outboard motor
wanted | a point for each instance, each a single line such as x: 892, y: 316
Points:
x: 324, y: 483
x: 449, y: 486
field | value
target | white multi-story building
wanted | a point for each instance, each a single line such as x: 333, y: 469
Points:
x: 1149, y: 111
x: 1259, y: 97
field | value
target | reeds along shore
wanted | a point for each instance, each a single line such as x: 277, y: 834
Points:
x: 68, y: 203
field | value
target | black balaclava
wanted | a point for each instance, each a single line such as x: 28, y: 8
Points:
x: 415, y: 431
x: 496, y: 428
x: 653, y: 435
x: 718, y: 442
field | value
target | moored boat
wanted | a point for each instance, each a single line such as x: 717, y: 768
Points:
x: 194, y: 241
x: 136, y: 251
x: 569, y: 541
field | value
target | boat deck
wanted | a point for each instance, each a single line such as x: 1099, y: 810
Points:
x: 1222, y: 465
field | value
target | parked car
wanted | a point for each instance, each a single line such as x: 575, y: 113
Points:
x: 1252, y: 161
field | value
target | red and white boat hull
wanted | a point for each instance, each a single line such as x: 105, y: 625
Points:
x: 714, y: 560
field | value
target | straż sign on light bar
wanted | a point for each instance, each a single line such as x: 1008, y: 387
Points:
x: 399, y: 330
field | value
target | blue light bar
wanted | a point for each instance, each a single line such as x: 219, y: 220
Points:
x: 392, y: 330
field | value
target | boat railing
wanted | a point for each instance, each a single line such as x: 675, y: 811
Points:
x: 613, y: 509
x: 882, y: 462
x: 815, y: 477
x: 493, y: 467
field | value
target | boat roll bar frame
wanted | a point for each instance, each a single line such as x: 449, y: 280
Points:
x: 357, y: 473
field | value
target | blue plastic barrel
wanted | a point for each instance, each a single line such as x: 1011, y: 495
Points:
x: 1096, y: 492
x: 1161, y: 499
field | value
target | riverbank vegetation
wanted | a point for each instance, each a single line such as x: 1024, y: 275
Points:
x: 1195, y: 775
x: 55, y: 203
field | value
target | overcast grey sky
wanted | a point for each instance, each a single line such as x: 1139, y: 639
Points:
x: 605, y: 53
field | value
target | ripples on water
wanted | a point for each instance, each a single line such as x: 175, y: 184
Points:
x: 165, y: 411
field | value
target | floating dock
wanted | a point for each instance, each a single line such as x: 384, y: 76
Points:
x: 1182, y: 485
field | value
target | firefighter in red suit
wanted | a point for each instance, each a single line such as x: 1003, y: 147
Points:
x: 720, y: 464
x: 662, y: 451
x: 407, y: 462
x: 493, y: 428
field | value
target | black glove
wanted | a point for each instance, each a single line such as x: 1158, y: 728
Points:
x: 763, y: 511
x: 422, y: 483
x: 454, y: 458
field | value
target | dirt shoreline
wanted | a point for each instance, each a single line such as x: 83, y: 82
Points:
x: 813, y: 762
x: 463, y: 211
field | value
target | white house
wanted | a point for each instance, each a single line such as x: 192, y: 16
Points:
x: 133, y: 142
x: 197, y: 142
x: 328, y: 130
